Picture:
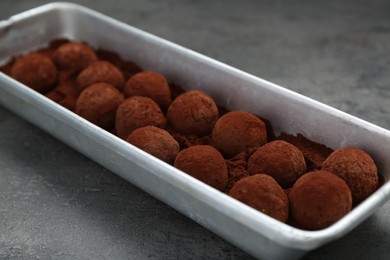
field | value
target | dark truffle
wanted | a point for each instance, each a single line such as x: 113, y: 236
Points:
x: 155, y: 141
x: 64, y: 95
x: 74, y: 56
x: 100, y: 71
x: 283, y: 161
x: 205, y: 163
x: 357, y: 168
x: 98, y: 104
x: 263, y: 193
x: 149, y: 84
x: 238, y: 131
x: 314, y: 153
x: 35, y: 70
x: 136, y: 112
x: 193, y: 112
x: 318, y: 199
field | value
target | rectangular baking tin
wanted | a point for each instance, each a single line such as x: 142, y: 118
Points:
x: 288, y: 111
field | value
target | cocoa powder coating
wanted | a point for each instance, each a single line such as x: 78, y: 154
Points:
x: 279, y: 159
x: 357, y: 168
x: 98, y: 104
x: 136, y: 112
x: 314, y: 153
x: 318, y: 199
x: 193, y: 112
x: 100, y: 71
x: 64, y: 95
x: 237, y: 169
x: 238, y: 131
x: 204, y: 163
x: 262, y: 192
x: 155, y: 141
x: 149, y: 84
x: 65, y: 92
x: 127, y: 67
x: 74, y: 56
x: 36, y: 71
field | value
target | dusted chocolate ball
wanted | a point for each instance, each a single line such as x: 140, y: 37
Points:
x: 155, y: 141
x: 204, y: 163
x: 98, y: 104
x: 357, y: 168
x: 100, y: 71
x: 193, y: 112
x: 283, y: 161
x: 149, y: 84
x: 263, y: 193
x: 136, y: 112
x: 318, y: 199
x: 67, y: 101
x: 35, y: 70
x: 73, y: 55
x: 237, y: 131
x: 64, y: 95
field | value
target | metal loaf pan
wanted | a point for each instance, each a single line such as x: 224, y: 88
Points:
x: 288, y: 112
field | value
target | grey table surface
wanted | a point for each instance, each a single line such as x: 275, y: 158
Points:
x: 57, y: 204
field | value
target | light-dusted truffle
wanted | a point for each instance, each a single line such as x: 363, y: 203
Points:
x: 193, y: 112
x: 35, y: 70
x: 263, y: 193
x: 74, y: 56
x: 149, y: 84
x: 98, y: 104
x: 238, y: 131
x: 64, y: 94
x: 282, y: 160
x: 155, y: 141
x: 204, y: 163
x: 100, y: 71
x: 318, y: 199
x: 357, y: 168
x: 136, y: 112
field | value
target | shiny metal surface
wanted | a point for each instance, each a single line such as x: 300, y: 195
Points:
x: 289, y: 112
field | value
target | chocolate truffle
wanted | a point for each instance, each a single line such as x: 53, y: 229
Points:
x: 193, y: 112
x: 237, y: 131
x: 155, y: 141
x: 283, y: 161
x: 136, y: 112
x: 149, y: 84
x: 263, y: 193
x: 318, y: 199
x: 357, y: 168
x: 204, y: 163
x: 98, y: 104
x: 100, y: 71
x: 74, y: 56
x: 64, y: 95
x: 36, y: 71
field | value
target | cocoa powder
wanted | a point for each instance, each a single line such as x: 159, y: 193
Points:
x: 314, y: 153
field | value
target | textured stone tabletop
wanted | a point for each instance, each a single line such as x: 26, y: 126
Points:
x: 57, y: 204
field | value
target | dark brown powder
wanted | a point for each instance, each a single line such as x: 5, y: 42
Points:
x: 237, y: 169
x: 315, y: 154
x: 128, y: 68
